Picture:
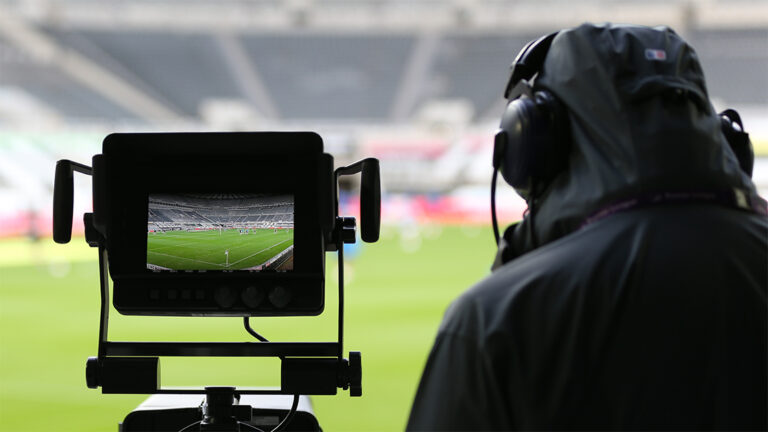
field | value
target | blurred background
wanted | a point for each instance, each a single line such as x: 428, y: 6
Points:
x: 417, y: 84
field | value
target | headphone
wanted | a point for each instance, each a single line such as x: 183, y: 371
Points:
x: 738, y: 140
x: 532, y: 143
x: 530, y: 146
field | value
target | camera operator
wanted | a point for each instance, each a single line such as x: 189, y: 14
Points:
x: 633, y: 293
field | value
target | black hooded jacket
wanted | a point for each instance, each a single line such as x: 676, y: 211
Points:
x: 645, y: 306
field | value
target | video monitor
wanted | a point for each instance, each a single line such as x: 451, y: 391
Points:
x: 220, y: 231
x: 215, y: 224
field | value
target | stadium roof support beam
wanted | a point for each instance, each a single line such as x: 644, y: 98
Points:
x: 246, y: 75
x: 45, y: 50
x: 416, y: 74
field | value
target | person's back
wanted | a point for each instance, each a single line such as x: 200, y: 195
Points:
x: 646, y: 314
x: 647, y: 319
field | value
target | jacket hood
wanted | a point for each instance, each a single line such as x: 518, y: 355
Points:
x: 641, y: 122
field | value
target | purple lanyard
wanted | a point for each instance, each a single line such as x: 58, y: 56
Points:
x: 735, y: 198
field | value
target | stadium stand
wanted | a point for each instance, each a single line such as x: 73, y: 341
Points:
x: 48, y: 85
x: 181, y: 69
x: 735, y: 63
x: 352, y: 76
x: 316, y: 75
x: 471, y: 67
x: 189, y: 212
x: 320, y: 76
x: 381, y: 77
x: 281, y: 261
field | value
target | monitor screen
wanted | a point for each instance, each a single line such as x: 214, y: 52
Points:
x: 220, y: 231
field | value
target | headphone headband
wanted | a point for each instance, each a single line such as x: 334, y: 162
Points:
x: 529, y: 61
x: 522, y: 88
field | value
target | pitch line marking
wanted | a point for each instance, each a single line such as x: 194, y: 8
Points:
x: 246, y: 243
x: 256, y: 253
x: 184, y: 258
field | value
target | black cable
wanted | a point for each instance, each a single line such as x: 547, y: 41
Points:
x: 288, y: 417
x: 280, y: 426
x: 493, y: 206
x: 249, y: 329
x: 187, y: 428
x: 247, y: 324
x: 341, y: 299
x: 294, y: 406
x: 252, y: 427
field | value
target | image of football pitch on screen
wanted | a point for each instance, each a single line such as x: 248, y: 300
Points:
x: 221, y: 231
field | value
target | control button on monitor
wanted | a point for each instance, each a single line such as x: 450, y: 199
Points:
x: 253, y: 296
x: 225, y: 297
x: 280, y: 296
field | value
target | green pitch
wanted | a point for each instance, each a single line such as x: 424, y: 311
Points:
x: 228, y: 249
x: 397, y: 292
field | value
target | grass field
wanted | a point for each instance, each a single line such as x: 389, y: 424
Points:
x: 216, y: 250
x: 397, y: 291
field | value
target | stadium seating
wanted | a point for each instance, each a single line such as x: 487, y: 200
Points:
x: 333, y: 76
x: 368, y: 87
x: 735, y: 63
x: 330, y: 76
x: 207, y: 211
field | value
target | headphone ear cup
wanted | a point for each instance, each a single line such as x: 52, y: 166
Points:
x: 517, y: 160
x: 536, y: 140
x: 738, y: 140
